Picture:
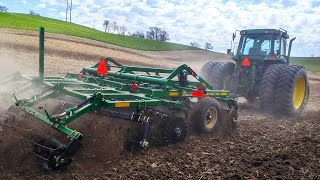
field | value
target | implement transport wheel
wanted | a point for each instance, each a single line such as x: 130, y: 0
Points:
x: 267, y: 89
x: 292, y: 91
x: 207, y: 115
x: 175, y: 130
x: 219, y: 74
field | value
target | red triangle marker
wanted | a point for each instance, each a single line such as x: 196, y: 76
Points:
x: 102, y: 69
x: 246, y: 62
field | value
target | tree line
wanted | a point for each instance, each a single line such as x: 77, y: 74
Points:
x: 154, y: 33
x: 207, y: 45
x: 5, y: 9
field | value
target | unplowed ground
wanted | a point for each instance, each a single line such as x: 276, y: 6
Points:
x: 263, y: 146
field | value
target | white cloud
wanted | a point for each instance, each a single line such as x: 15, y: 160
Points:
x: 53, y: 2
x: 204, y: 20
x: 40, y: 6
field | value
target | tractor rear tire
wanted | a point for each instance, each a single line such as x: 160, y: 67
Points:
x: 209, y: 67
x: 267, y: 89
x: 207, y: 115
x: 292, y: 91
x: 218, y: 73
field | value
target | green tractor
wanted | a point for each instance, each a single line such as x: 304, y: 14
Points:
x: 261, y: 71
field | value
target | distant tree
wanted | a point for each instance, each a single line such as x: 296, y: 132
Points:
x: 164, y: 36
x: 114, y: 27
x: 138, y: 34
x: 208, y: 46
x: 32, y: 12
x: 106, y: 25
x: 157, y: 33
x: 122, y: 30
x: 109, y: 27
x: 3, y: 9
x: 154, y: 33
x: 311, y: 55
x: 195, y: 44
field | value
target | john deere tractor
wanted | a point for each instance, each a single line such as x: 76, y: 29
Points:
x: 261, y: 71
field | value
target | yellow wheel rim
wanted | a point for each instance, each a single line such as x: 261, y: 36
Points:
x: 299, y: 92
x: 211, y: 117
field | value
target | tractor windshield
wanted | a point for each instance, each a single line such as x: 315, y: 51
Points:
x: 255, y: 44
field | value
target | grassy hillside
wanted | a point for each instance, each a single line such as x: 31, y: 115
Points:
x: 29, y: 22
x: 311, y: 63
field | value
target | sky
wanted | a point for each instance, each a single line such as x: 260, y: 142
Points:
x: 188, y: 21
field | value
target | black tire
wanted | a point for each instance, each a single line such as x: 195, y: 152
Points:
x: 206, y: 107
x: 209, y: 67
x: 215, y: 72
x: 285, y: 101
x: 268, y: 85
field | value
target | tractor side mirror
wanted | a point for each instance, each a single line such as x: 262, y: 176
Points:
x: 233, y: 36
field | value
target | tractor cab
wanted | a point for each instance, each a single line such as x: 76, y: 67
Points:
x: 257, y: 50
x: 263, y: 44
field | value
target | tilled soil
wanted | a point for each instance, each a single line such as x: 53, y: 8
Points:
x: 266, y: 147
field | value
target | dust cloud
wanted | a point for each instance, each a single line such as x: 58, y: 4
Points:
x: 8, y: 67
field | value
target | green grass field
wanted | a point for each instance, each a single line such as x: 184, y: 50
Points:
x: 29, y: 22
x: 311, y: 63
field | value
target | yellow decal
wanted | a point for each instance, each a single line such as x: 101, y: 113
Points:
x: 224, y: 93
x: 174, y: 93
x: 121, y: 104
x: 210, y: 93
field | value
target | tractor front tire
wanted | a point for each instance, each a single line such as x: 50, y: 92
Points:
x: 219, y: 74
x: 207, y: 115
x: 292, y: 91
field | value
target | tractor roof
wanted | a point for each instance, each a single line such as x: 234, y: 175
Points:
x: 265, y: 31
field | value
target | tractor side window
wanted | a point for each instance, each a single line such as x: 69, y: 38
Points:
x: 248, y: 44
x: 277, y: 50
x: 276, y: 46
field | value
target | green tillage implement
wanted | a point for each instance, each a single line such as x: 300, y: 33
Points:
x: 139, y: 90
